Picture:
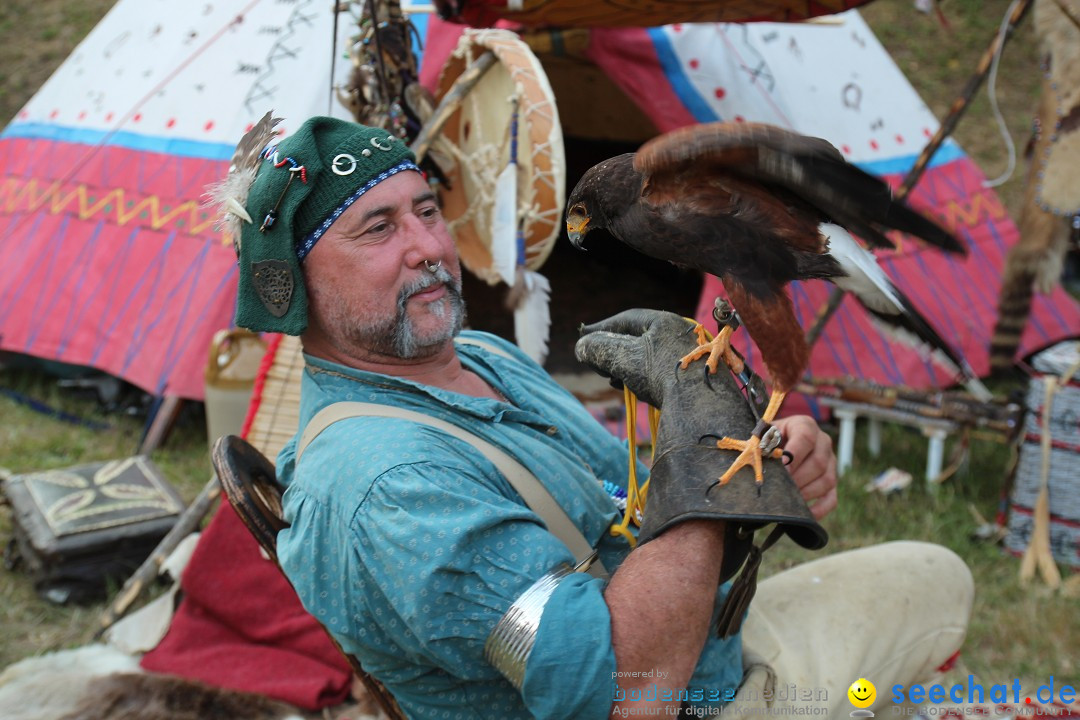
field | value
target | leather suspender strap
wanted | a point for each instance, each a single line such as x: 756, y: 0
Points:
x: 486, y: 345
x: 530, y: 488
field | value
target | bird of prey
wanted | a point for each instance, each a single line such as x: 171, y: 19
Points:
x: 743, y: 202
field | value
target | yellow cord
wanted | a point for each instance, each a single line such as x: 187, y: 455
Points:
x: 623, y: 528
x: 654, y: 425
x: 635, y: 496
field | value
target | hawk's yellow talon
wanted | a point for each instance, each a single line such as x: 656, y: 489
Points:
x: 750, y: 455
x: 750, y: 450
x: 718, y: 348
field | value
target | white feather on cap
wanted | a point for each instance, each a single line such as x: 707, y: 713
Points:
x: 231, y: 193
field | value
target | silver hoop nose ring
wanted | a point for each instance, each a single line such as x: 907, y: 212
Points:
x: 432, y: 268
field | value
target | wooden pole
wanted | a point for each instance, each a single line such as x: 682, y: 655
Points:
x: 836, y: 296
x: 450, y: 103
x: 961, y: 103
x: 148, y: 572
x: 166, y: 411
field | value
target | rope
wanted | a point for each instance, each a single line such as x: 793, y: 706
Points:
x: 45, y: 409
x: 260, y: 384
x: 635, y: 497
x: 277, y: 416
x: 991, y: 90
x: 480, y: 166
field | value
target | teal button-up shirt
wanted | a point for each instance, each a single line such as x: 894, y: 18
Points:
x: 408, y: 544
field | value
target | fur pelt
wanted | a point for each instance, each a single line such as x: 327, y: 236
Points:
x: 130, y: 696
x: 51, y: 686
x: 1052, y: 190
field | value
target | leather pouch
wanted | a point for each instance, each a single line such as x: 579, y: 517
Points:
x: 83, y: 529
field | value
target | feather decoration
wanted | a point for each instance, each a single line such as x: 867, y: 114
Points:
x: 865, y: 279
x: 505, y: 215
x: 891, y: 310
x: 532, y: 316
x: 231, y: 193
x: 504, y: 225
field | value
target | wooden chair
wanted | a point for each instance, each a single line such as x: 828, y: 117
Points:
x: 250, y: 483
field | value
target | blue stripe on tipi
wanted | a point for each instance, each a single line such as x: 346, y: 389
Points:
x: 12, y: 249
x: 999, y: 240
x: 146, y: 176
x: 842, y: 318
x: 684, y: 89
x: 72, y: 324
x: 973, y: 292
x: 980, y: 266
x: 891, y: 369
x: 899, y: 165
x: 906, y: 284
x: 143, y: 325
x: 942, y: 303
x: 117, y: 269
x: 13, y: 259
x: 120, y: 138
x: 172, y: 358
x: 798, y: 288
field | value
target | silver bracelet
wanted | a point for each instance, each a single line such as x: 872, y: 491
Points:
x: 511, y: 642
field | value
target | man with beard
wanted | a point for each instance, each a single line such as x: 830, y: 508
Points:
x: 424, y: 562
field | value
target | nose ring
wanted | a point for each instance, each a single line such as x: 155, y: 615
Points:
x: 432, y: 268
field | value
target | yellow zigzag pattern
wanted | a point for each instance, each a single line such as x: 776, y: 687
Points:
x: 983, y: 204
x: 29, y: 195
x: 19, y: 194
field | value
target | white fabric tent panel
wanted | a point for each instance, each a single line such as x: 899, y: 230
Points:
x: 773, y: 73
x: 171, y: 70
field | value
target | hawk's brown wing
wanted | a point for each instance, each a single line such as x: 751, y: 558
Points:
x: 708, y: 193
x: 805, y: 167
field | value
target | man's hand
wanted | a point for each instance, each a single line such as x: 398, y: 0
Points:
x: 813, y: 463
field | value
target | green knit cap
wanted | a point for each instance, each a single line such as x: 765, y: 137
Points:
x: 301, y: 187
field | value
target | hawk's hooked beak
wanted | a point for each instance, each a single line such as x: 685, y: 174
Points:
x: 577, y: 226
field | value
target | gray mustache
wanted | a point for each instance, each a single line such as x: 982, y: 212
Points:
x: 425, y: 281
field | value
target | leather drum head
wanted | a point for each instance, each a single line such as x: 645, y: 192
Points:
x: 479, y: 132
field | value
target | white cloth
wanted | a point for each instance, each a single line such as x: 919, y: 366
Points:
x: 142, y: 630
x: 891, y: 613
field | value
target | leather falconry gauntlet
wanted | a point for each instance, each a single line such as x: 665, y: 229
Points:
x: 641, y: 349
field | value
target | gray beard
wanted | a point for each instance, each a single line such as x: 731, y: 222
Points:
x: 397, y: 337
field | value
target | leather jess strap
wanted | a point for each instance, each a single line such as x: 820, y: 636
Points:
x: 530, y: 488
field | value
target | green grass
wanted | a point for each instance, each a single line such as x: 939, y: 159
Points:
x: 37, y: 35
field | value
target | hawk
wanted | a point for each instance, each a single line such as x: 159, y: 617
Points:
x: 744, y: 202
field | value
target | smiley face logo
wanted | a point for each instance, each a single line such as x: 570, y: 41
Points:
x: 862, y: 693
